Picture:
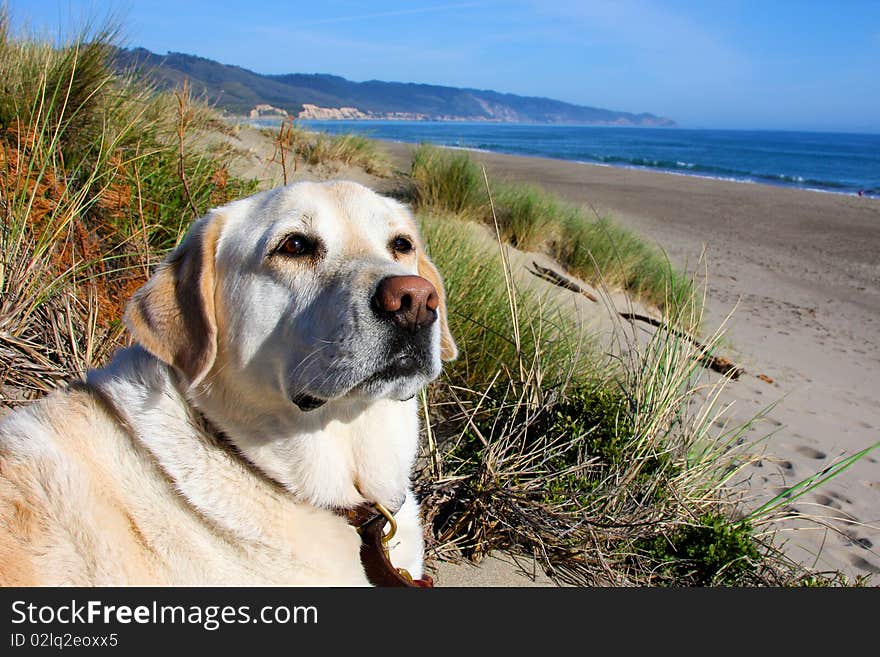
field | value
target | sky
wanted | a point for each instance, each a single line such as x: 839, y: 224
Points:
x: 743, y: 64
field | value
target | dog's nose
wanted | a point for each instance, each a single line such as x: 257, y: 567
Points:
x: 409, y: 301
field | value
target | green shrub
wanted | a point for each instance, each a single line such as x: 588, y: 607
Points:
x: 711, y: 551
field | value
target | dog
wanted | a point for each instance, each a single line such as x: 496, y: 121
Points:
x: 269, y: 393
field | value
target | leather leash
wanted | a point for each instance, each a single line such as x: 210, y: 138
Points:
x: 370, y: 521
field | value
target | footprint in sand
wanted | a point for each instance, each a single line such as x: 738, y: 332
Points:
x: 872, y: 484
x: 824, y: 500
x: 864, y: 564
x: 863, y: 542
x: 809, y: 452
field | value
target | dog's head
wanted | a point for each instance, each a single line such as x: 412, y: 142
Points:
x: 307, y: 294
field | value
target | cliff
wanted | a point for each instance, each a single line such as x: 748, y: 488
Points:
x: 321, y: 96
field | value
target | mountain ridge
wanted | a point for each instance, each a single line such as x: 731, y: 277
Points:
x: 322, y: 95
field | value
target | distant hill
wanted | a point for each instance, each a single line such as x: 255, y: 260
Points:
x: 243, y: 92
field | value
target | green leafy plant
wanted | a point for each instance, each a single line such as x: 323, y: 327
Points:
x: 713, y: 550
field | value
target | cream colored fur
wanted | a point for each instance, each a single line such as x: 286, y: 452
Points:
x: 186, y: 460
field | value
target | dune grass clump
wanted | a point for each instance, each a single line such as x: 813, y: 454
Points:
x: 480, y: 317
x: 529, y: 218
x: 350, y: 149
x: 96, y: 179
x: 294, y: 143
x: 447, y: 181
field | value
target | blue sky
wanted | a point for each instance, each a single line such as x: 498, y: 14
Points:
x: 772, y: 64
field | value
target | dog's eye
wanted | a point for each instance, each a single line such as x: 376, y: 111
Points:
x: 297, y: 245
x: 401, y: 245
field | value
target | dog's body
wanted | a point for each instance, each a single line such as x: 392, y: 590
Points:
x: 280, y: 347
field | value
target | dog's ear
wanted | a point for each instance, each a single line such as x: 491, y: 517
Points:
x: 172, y: 315
x: 427, y: 270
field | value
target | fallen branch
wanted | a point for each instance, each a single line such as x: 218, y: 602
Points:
x: 558, y: 279
x: 718, y: 364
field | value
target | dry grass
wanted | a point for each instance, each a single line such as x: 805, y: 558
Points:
x: 317, y: 149
x: 96, y: 180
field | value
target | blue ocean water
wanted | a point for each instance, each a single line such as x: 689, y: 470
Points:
x: 832, y: 162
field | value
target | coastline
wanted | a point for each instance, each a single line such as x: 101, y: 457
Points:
x: 801, y: 273
x: 669, y: 172
x: 671, y: 160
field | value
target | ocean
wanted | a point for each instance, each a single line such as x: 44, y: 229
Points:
x: 844, y: 163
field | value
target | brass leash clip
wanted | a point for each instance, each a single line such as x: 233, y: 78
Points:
x: 386, y: 538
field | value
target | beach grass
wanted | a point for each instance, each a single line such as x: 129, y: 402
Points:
x: 350, y: 149
x: 529, y: 218
x: 295, y: 144
x: 98, y: 179
x: 479, y: 310
x: 609, y: 460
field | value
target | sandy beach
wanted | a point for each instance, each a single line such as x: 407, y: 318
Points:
x: 801, y: 271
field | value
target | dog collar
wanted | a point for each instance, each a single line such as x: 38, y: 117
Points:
x: 370, y: 521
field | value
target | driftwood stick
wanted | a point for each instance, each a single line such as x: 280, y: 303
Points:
x: 718, y: 364
x: 558, y: 279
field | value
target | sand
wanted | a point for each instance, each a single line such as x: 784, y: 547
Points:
x: 801, y: 272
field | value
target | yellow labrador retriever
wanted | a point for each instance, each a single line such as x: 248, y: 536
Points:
x: 268, y: 398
